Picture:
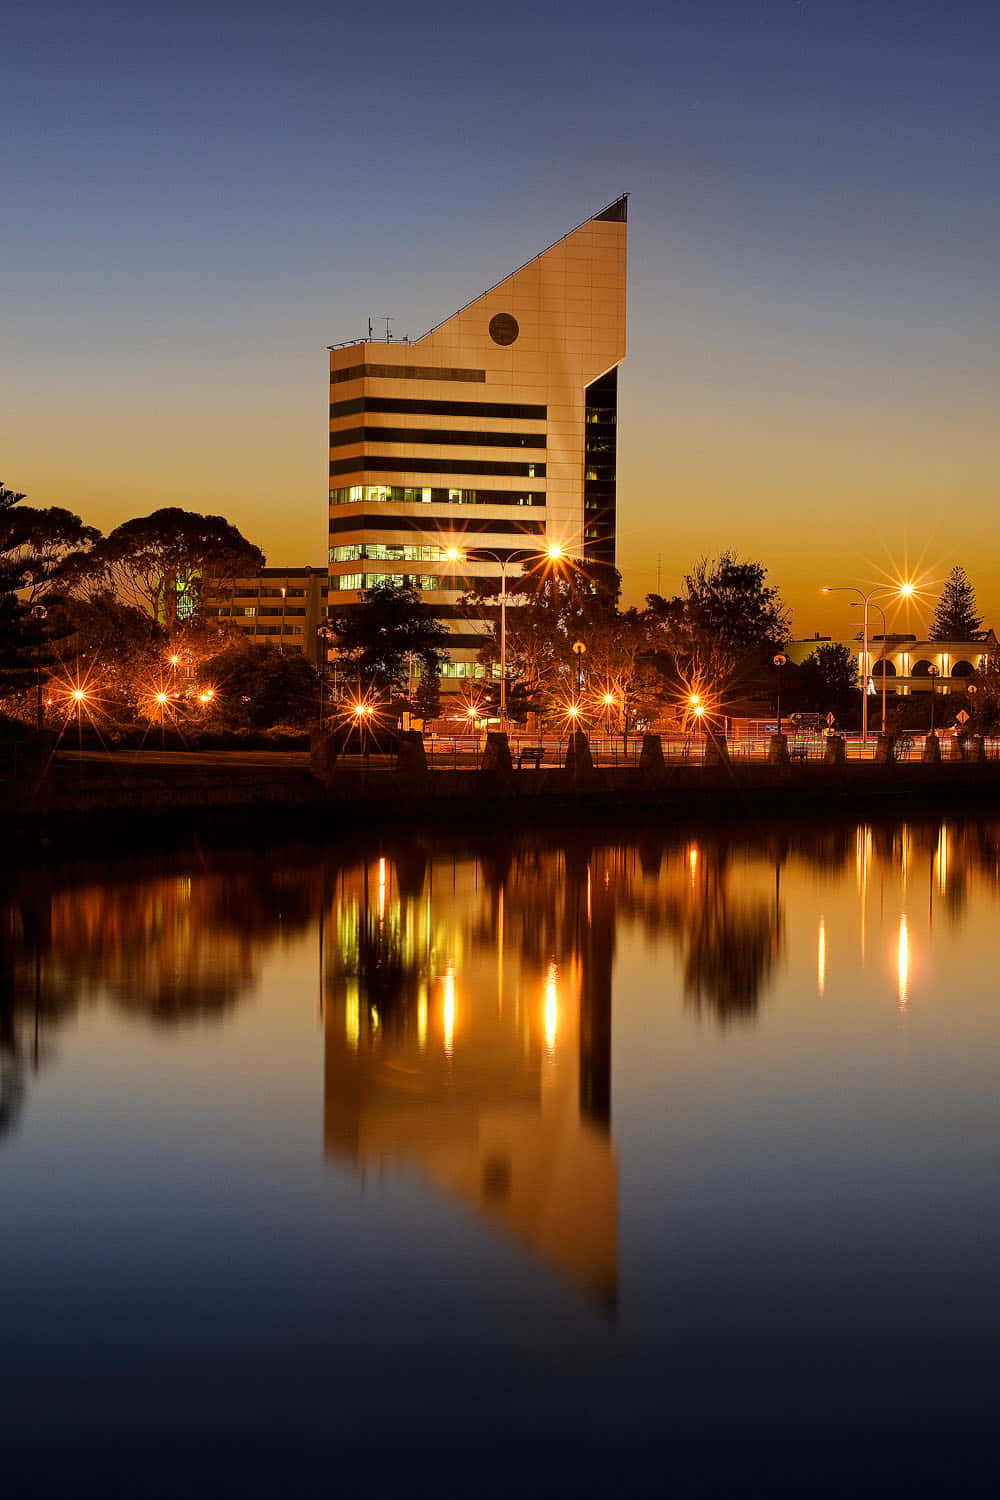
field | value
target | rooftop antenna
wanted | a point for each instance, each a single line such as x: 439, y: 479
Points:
x: 386, y: 319
x: 369, y: 330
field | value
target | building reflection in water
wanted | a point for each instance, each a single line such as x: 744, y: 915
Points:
x: 468, y: 1038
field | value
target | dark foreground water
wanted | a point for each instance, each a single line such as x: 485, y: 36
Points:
x: 662, y: 1166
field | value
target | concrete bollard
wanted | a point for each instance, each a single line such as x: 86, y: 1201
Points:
x: 411, y: 755
x: 322, y: 754
x: 835, y: 753
x: 885, y: 749
x: 496, y: 752
x: 959, y: 749
x: 932, y: 751
x: 578, y: 756
x: 975, y: 749
x: 777, y: 750
x: 651, y: 754
x: 716, y: 750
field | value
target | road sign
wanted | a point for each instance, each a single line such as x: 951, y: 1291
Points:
x: 962, y: 717
x: 831, y: 719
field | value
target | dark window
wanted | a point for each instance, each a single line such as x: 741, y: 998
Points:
x: 404, y: 494
x: 405, y: 372
x: 600, y: 462
x: 615, y: 213
x: 446, y: 525
x: 339, y: 437
x: 437, y: 408
x: 371, y: 463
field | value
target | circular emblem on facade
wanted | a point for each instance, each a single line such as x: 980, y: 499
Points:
x: 503, y: 329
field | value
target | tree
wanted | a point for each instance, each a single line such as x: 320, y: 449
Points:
x: 955, y: 617
x: 828, y: 677
x: 548, y: 610
x: 20, y: 633
x: 374, y: 640
x: 39, y: 543
x: 257, y: 687
x: 721, y: 631
x: 160, y: 563
x: 426, y: 700
x: 727, y: 603
x: 116, y: 647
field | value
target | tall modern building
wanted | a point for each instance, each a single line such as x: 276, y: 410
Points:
x: 494, y: 433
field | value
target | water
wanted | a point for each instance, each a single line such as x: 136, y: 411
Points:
x: 666, y: 1165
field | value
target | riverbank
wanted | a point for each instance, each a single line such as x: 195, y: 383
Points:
x: 123, y: 804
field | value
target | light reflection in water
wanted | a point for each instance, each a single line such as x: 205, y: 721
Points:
x: 821, y: 957
x: 551, y: 1007
x: 514, y: 1098
x: 903, y: 962
x: 448, y: 1011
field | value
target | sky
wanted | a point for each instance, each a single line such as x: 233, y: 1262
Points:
x: 198, y: 198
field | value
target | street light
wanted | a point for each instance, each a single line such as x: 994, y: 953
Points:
x: 39, y: 612
x: 901, y: 591
x: 932, y: 672
x: 779, y: 662
x: 554, y: 553
x: 79, y: 695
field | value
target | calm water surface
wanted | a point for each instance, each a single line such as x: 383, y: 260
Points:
x: 661, y: 1165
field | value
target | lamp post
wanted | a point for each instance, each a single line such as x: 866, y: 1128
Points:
x: 932, y: 672
x: 779, y: 662
x: 885, y: 631
x: 904, y: 591
x: 554, y: 553
x: 78, y: 696
x: 579, y: 650
x: 39, y: 612
x: 323, y: 634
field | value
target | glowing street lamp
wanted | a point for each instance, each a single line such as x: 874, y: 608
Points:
x: 553, y: 552
x: 79, y: 697
x: 898, y: 591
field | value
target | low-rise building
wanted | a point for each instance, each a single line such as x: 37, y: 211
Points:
x: 277, y: 607
x: 907, y: 661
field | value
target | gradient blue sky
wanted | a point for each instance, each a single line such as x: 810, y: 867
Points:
x: 198, y: 198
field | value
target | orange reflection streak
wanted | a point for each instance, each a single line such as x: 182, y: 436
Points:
x: 821, y: 957
x: 422, y: 1018
x: 551, y: 1007
x: 903, y: 962
x: 381, y: 891
x: 693, y: 861
x: 942, y: 858
x: 448, y: 1018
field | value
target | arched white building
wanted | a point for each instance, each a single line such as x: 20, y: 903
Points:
x: 907, y: 661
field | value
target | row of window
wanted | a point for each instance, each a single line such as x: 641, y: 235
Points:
x: 512, y: 409
x: 251, y: 611
x: 386, y: 552
x: 274, y: 629
x: 405, y: 495
x: 405, y: 372
x: 457, y: 527
x: 374, y: 464
x: 473, y: 669
x: 424, y: 581
x: 447, y: 436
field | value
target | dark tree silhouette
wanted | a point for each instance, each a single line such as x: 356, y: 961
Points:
x: 160, y: 563
x: 955, y: 617
x: 374, y: 640
x: 20, y: 632
x: 828, y: 677
x: 257, y: 687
